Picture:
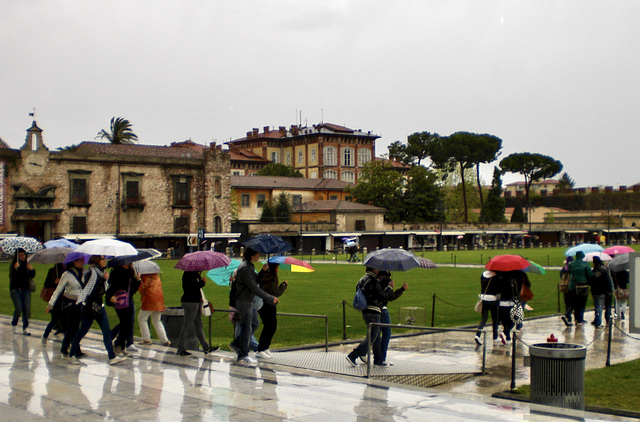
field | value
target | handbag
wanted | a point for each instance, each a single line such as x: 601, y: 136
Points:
x: 525, y: 293
x: 582, y: 289
x: 478, y: 307
x: 46, y: 293
x: 516, y: 313
x: 32, y: 285
x: 563, y: 287
x: 122, y: 298
x: 206, y: 307
x: 621, y: 294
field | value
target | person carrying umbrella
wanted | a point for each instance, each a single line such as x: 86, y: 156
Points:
x: 123, y: 284
x: 579, y: 285
x: 50, y: 284
x: 20, y: 272
x: 269, y: 283
x: 601, y: 286
x: 385, y: 337
x: 246, y: 288
x: 490, y: 297
x: 152, y: 305
x: 376, y: 297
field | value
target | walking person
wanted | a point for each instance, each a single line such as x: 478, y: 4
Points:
x: 51, y: 283
x: 601, y: 285
x: 191, y: 301
x: 20, y: 272
x: 579, y: 285
x: 384, y: 277
x: 152, y: 306
x: 270, y: 283
x: 621, y: 292
x: 376, y: 296
x: 93, y: 310
x: 69, y: 288
x: 509, y: 297
x: 565, y: 277
x: 123, y: 284
x: 490, y: 297
x: 246, y: 289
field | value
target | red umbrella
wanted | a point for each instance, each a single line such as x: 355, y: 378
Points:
x: 507, y: 263
x: 202, y: 261
x: 617, y: 250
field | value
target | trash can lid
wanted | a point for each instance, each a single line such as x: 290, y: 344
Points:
x: 558, y: 350
x: 174, y: 311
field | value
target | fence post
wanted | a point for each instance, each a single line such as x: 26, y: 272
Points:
x: 344, y: 319
x: 513, y: 361
x: 433, y: 311
x: 455, y: 259
x: 610, y: 323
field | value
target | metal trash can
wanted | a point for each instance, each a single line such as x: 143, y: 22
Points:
x: 557, y: 374
x: 172, y: 319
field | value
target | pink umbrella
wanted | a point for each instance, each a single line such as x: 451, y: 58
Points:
x: 202, y: 261
x: 618, y: 249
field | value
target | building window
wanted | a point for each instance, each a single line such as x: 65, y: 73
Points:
x: 132, y: 183
x: 333, y: 197
x: 296, y: 200
x: 361, y: 225
x: 300, y: 157
x: 181, y: 191
x: 313, y: 155
x: 237, y: 172
x: 347, y: 156
x: 217, y: 187
x: 79, y: 225
x: 287, y: 157
x: 313, y: 175
x: 275, y: 157
x: 244, y: 200
x: 364, y: 156
x: 330, y: 157
x: 347, y: 176
x: 217, y: 224
x: 330, y: 174
x: 261, y: 198
x: 79, y: 188
x: 181, y: 224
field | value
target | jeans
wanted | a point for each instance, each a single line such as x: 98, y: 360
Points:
x: 246, y: 321
x: 85, y: 325
x: 363, y: 347
x: 489, y: 308
x: 55, y: 312
x: 579, y: 302
x: 192, y: 321
x: 71, y: 317
x: 269, y: 325
x: 385, y: 318
x: 22, y: 305
x: 598, y: 303
x: 568, y: 306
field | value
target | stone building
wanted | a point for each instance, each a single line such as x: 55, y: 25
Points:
x: 153, y: 196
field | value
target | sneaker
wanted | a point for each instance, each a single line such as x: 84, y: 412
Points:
x: 81, y: 355
x: 43, y: 341
x: 364, y: 359
x: 566, y: 321
x: 381, y: 364
x: 211, y: 349
x: 166, y: 343
x: 147, y: 342
x: 503, y: 339
x: 579, y: 324
x: 184, y: 353
x: 600, y: 326
x: 117, y: 359
x: 478, y: 341
x: 387, y: 363
x: 351, y: 358
x: 263, y: 355
x: 26, y: 332
x: 233, y: 348
x: 268, y: 352
x: 247, y: 360
x: 132, y: 348
x: 74, y: 360
x: 64, y: 355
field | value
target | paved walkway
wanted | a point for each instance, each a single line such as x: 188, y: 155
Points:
x: 156, y: 385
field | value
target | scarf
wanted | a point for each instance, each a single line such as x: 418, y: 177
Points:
x: 86, y: 291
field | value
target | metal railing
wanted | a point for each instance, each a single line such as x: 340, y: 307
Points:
x: 417, y: 327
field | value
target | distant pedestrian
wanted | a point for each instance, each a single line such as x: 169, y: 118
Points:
x: 621, y: 292
x: 601, y: 285
x: 565, y: 277
x: 490, y: 297
x: 191, y: 301
x: 123, y: 284
x: 20, y: 272
x: 579, y: 285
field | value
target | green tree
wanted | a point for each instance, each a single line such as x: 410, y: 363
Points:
x: 532, y: 166
x: 493, y: 209
x: 120, y: 132
x: 268, y: 214
x: 518, y: 214
x: 279, y: 169
x: 381, y: 186
x: 422, y: 196
x: 417, y: 148
x: 566, y: 183
x: 282, y: 209
x: 487, y: 150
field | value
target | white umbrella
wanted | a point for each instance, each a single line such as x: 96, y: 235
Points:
x: 10, y: 245
x: 107, y: 247
x: 603, y: 256
x: 146, y: 267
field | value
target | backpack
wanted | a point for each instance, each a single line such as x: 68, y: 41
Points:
x: 359, y: 300
x: 564, y: 282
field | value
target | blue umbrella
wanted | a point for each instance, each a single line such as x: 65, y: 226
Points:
x: 583, y: 247
x: 268, y: 244
x: 60, y: 243
x: 221, y: 275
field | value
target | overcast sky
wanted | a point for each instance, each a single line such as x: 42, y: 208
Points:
x: 560, y: 78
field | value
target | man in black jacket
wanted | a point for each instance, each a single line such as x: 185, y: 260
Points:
x: 376, y: 296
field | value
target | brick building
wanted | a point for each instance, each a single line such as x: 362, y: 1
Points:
x: 150, y: 195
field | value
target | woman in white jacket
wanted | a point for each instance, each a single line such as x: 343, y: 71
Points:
x: 69, y: 288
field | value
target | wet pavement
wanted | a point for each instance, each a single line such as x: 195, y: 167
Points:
x: 155, y: 384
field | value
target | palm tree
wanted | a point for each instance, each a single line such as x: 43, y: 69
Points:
x: 121, y: 132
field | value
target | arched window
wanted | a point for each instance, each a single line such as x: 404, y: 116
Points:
x: 330, y: 157
x: 217, y: 223
x: 347, y: 156
x: 330, y: 174
x: 364, y: 156
x: 217, y: 187
x: 347, y: 176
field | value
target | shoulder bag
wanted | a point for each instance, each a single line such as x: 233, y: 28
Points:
x: 206, y: 307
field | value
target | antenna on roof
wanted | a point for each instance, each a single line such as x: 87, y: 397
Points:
x: 322, y: 115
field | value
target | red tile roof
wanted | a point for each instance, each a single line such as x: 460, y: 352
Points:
x: 277, y: 182
x: 174, y: 151
x: 341, y: 206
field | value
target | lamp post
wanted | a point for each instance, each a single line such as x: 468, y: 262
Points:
x: 300, y: 234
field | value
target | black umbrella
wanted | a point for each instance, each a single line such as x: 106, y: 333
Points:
x: 268, y: 244
x: 128, y: 259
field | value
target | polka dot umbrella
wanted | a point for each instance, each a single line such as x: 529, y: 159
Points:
x: 10, y: 245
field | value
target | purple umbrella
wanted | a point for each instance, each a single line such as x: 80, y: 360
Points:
x: 202, y: 261
x: 73, y: 256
